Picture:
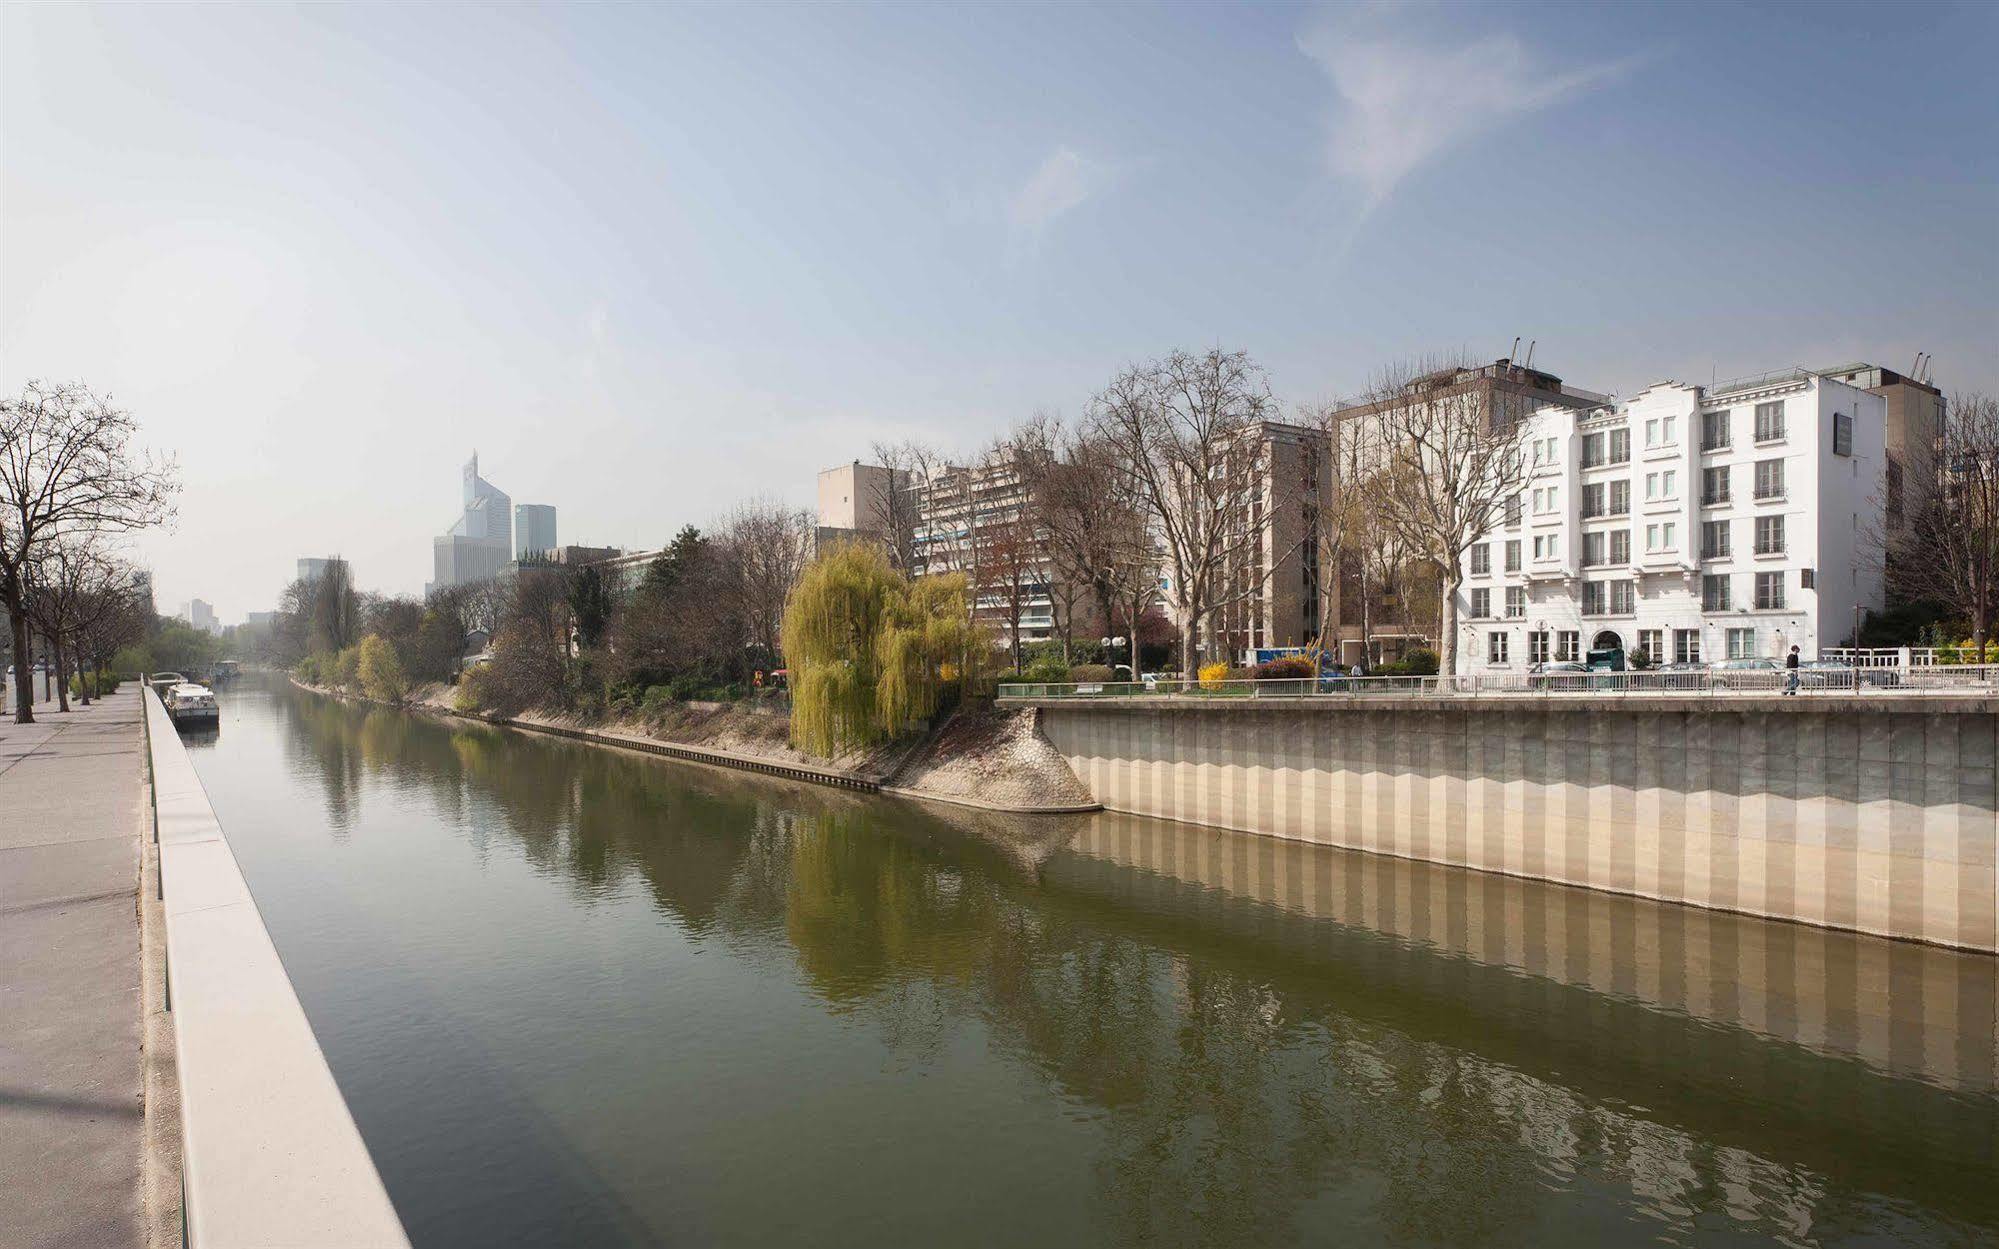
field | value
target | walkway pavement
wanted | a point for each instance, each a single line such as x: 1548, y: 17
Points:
x: 72, y: 1119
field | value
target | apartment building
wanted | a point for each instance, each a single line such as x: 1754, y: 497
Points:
x: 1280, y: 595
x: 1692, y: 525
x: 1505, y: 390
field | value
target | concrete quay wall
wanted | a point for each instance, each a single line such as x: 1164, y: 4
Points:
x: 1871, y: 814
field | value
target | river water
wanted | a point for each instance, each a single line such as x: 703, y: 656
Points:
x: 581, y: 997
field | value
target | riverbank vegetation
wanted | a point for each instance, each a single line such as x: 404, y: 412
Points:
x: 872, y: 652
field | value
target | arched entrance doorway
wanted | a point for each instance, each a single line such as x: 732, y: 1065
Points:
x: 1607, y: 641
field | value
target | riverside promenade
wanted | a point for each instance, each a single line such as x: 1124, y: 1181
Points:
x: 73, y: 1012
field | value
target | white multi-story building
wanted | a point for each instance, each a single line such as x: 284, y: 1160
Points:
x: 1692, y: 525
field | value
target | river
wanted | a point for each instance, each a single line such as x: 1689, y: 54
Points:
x: 576, y: 996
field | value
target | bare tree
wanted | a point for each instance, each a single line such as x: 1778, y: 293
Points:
x: 67, y: 469
x: 765, y: 546
x: 1444, y: 463
x: 1952, y: 556
x: 112, y: 612
x: 1095, y: 533
x: 1188, y: 433
x: 894, y: 500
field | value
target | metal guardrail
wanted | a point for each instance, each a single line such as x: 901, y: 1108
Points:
x: 1966, y: 680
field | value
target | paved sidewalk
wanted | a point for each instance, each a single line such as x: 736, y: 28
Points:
x: 71, y: 1107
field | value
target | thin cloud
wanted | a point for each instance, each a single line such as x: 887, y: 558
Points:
x: 1406, y: 101
x: 1063, y: 182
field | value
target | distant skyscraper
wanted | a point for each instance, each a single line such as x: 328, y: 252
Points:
x: 534, y: 529
x: 202, y: 616
x: 480, y: 542
x: 312, y: 569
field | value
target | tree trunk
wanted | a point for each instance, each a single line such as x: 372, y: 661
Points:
x: 84, y: 681
x: 1366, y: 621
x: 62, y: 673
x: 1190, y: 662
x: 1447, y: 626
x: 24, y: 676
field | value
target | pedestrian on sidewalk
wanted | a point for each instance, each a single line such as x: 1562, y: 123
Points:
x: 1791, y: 671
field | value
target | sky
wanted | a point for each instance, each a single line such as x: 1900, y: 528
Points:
x: 651, y: 262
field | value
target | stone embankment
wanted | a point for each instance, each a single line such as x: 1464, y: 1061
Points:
x: 980, y: 756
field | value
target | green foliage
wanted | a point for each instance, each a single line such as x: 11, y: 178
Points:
x: 471, y: 694
x: 97, y: 684
x: 869, y: 649
x: 590, y: 602
x: 177, y: 646
x: 1091, y: 672
x: 380, y: 670
x: 1421, y: 661
x: 1046, y: 668
x: 311, y: 670
x: 1287, y: 668
x: 658, y: 701
x: 345, y: 671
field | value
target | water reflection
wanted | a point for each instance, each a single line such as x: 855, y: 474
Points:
x: 1241, y: 1041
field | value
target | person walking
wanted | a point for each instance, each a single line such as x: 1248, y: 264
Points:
x: 1791, y: 672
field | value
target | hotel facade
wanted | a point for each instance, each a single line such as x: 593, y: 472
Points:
x: 1691, y: 525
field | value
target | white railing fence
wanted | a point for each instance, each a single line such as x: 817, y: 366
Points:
x: 1969, y: 680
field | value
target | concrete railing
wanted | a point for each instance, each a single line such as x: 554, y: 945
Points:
x: 271, y: 1155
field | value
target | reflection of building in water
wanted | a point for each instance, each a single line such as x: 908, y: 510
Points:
x: 1909, y: 1009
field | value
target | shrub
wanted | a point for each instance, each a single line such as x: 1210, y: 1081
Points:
x: 1287, y: 668
x: 658, y: 701
x: 1212, y: 675
x: 346, y: 673
x: 380, y: 670
x: 1091, y: 672
x: 308, y: 670
x: 1046, y: 669
x: 471, y: 695
x: 1421, y: 661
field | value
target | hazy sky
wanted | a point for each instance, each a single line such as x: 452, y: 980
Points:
x: 652, y: 261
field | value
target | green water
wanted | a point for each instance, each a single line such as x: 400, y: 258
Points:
x: 579, y: 997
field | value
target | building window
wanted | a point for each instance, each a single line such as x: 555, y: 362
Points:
x: 1513, y: 555
x: 1544, y: 546
x: 1661, y: 537
x: 1495, y: 647
x: 1769, y: 479
x: 1742, y: 643
x: 1652, y: 645
x: 1661, y: 432
x: 1593, y: 548
x: 1620, y: 499
x: 1687, y: 646
x: 1516, y: 602
x: 1545, y: 500
x: 1537, y: 647
x: 1661, y: 485
x: 1620, y: 546
x: 1481, y: 603
x: 1568, y: 646
x: 1806, y: 579
x: 1715, y: 539
x: 1595, y: 600
x: 1714, y: 431
x: 1621, y: 598
x: 1593, y: 447
x: 1714, y: 486
x: 1513, y: 512
x: 1769, y: 591
x: 1770, y: 421
x: 1714, y: 592
x: 1481, y: 559
x: 1592, y: 500
x: 1620, y: 446
x: 1769, y: 535
x: 1842, y: 434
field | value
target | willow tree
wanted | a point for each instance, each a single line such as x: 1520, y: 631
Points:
x: 869, y: 651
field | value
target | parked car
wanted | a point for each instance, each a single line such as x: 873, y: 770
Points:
x: 1827, y: 674
x: 189, y: 703
x: 1746, y: 674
